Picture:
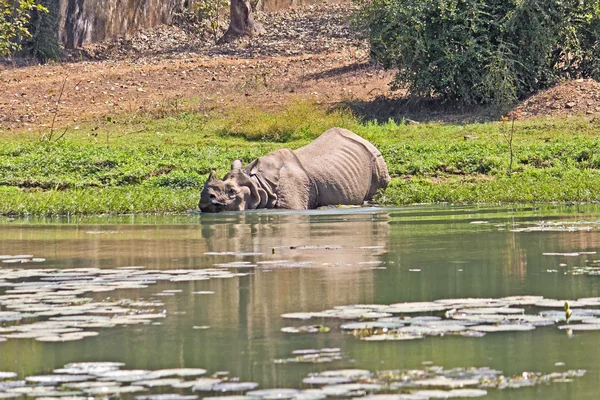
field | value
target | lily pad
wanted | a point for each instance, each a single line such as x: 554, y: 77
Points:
x: 53, y: 394
x: 234, y: 386
x: 273, y: 393
x: 158, y: 382
x: 347, y: 373
x: 345, y: 388
x: 9, y: 395
x: 390, y: 397
x: 57, y: 379
x: 305, y: 329
x: 416, y: 307
x: 443, y: 381
x: 114, y: 390
x: 391, y: 337
x: 492, y: 310
x: 371, y: 325
x: 90, y: 384
x: 203, y: 384
x: 125, y: 375
x: 447, y: 394
x: 230, y: 398
x: 167, y: 396
x: 581, y: 327
x: 303, y: 316
x: 183, y: 372
x: 310, y: 394
x: 502, y: 328
x: 326, y: 380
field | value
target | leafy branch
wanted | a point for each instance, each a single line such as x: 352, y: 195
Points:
x: 14, y: 19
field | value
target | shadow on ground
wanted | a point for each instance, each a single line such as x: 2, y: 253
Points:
x: 413, y: 110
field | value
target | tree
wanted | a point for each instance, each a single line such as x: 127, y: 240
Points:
x: 43, y: 43
x: 242, y: 22
x: 14, y: 19
x: 483, y: 51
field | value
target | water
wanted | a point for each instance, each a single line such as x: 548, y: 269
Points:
x: 358, y: 256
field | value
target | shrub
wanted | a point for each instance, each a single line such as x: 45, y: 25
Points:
x: 14, y: 19
x: 482, y: 51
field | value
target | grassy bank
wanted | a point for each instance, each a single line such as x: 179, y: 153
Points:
x: 143, y: 164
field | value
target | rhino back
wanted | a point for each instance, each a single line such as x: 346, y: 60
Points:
x: 346, y: 168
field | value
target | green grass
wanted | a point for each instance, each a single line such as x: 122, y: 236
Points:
x: 156, y: 165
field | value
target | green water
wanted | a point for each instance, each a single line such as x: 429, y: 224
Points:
x: 425, y: 253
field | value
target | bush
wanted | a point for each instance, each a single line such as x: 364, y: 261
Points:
x: 14, y: 19
x: 483, y: 51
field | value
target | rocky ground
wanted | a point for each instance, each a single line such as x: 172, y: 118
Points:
x: 308, y: 53
x: 577, y: 97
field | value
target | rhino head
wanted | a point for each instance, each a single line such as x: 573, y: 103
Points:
x: 236, y: 192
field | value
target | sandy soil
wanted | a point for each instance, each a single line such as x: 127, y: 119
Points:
x: 308, y: 53
x: 315, y: 57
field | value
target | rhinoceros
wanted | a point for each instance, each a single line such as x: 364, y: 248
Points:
x: 338, y: 168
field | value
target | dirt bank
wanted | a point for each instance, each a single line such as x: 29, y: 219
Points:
x: 308, y: 53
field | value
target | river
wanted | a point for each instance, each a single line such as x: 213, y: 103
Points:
x: 281, y: 262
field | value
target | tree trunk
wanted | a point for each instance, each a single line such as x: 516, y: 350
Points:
x: 242, y: 23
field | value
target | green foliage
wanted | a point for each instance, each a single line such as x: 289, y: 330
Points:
x: 483, y: 51
x: 14, y: 19
x: 210, y: 12
x: 160, y: 165
x: 297, y: 121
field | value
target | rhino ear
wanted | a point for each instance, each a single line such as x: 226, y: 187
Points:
x: 236, y: 165
x: 212, y: 177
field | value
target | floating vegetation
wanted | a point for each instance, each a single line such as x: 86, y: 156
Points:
x: 167, y: 396
x: 312, y: 356
x: 230, y: 398
x: 459, y: 317
x: 273, y: 393
x: 56, y: 379
x: 237, y: 264
x: 574, y: 254
x: 108, y: 380
x: 20, y: 259
x: 48, y: 305
x: 310, y: 247
x: 202, y: 384
x: 431, y: 382
x: 446, y: 394
x: 306, y: 329
x: 234, y: 386
x: 159, y: 382
x: 182, y: 372
x: 590, y: 267
x: 233, y: 253
x: 559, y: 226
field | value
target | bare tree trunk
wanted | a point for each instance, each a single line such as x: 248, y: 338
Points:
x: 242, y: 23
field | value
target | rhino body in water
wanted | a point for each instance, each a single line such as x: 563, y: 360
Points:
x: 338, y: 168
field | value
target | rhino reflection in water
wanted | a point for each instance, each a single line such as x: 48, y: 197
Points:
x: 339, y: 167
x: 316, y: 259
